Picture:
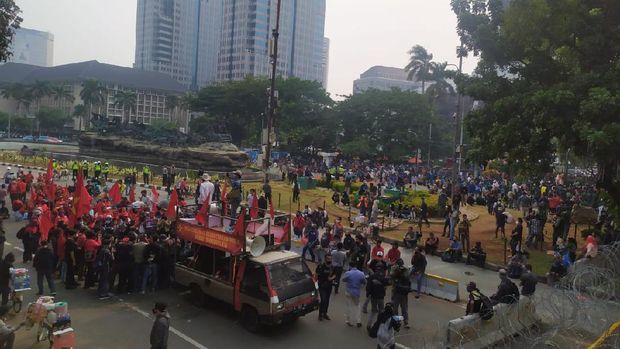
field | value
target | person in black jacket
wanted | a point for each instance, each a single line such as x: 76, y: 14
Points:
x: 507, y: 291
x: 44, y: 262
x: 325, y: 278
x: 5, y: 276
x: 161, y: 327
x: 375, y: 289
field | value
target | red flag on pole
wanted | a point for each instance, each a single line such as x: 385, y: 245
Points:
x: 173, y: 202
x: 154, y: 198
x: 254, y: 208
x: 201, y: 216
x: 239, y: 230
x: 132, y: 194
x: 45, y: 225
x: 33, y: 198
x: 50, y: 170
x: 115, y: 194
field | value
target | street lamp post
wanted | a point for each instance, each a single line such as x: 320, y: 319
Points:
x: 458, y: 128
x: 272, y: 92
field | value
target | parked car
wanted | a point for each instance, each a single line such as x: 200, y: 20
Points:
x: 28, y: 138
x: 51, y: 140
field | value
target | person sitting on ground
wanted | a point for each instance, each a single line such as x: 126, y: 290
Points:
x: 431, y: 245
x: 516, y: 265
x: 411, y: 238
x: 557, y: 271
x: 528, y: 281
x: 475, y: 299
x: 454, y: 253
x: 477, y: 255
x: 507, y: 291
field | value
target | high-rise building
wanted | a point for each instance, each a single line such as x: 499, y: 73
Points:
x: 179, y: 38
x: 34, y: 47
x: 385, y: 78
x: 325, y: 62
x: 246, y: 36
x: 197, y: 42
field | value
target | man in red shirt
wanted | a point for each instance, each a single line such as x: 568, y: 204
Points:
x: 21, y: 189
x: 91, y: 246
x: 376, y: 249
x: 393, y: 254
x: 298, y: 225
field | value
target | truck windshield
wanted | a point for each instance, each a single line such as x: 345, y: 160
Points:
x: 288, y: 272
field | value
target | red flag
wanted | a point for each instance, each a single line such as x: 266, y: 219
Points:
x: 154, y: 198
x: 271, y: 211
x: 51, y: 192
x: 239, y: 230
x: 201, y: 216
x: 50, y: 170
x: 45, y: 224
x: 132, y: 194
x: 33, y: 197
x: 172, y: 203
x: 254, y: 208
x: 83, y: 202
x: 115, y: 194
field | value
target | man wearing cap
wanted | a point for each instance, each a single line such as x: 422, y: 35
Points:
x: 206, y: 189
x: 161, y: 327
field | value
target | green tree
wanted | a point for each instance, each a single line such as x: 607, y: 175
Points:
x: 419, y: 66
x: 61, y: 93
x: 384, y: 124
x: 93, y: 95
x: 9, y: 21
x: 80, y: 111
x: 439, y: 76
x: 172, y: 104
x: 549, y: 77
x: 52, y: 119
x: 39, y: 90
x: 127, y: 100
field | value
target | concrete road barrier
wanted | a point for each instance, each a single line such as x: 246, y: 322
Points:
x: 438, y: 286
x: 471, y: 332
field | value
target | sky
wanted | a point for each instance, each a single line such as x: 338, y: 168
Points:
x: 363, y: 33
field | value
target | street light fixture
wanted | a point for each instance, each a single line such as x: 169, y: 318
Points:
x: 272, y: 91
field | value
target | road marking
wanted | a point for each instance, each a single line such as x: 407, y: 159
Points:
x: 18, y: 248
x: 172, y: 329
x: 398, y: 345
x: 185, y: 293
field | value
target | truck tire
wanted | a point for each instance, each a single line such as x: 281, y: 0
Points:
x: 249, y: 318
x: 197, y: 297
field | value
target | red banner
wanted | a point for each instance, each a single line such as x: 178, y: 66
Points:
x: 208, y: 237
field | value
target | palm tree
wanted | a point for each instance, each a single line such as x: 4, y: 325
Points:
x: 441, y: 87
x: 39, y: 90
x: 61, y: 93
x: 127, y: 100
x: 80, y: 111
x: 92, y: 94
x: 419, y: 66
x: 172, y: 103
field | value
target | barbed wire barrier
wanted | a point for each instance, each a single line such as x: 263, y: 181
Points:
x: 572, y: 314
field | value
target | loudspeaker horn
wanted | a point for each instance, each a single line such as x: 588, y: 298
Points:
x: 256, y: 246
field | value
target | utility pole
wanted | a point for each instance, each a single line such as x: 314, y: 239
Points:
x: 272, y: 92
x: 430, y: 133
x: 457, y: 127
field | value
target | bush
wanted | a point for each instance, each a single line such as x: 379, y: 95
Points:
x: 415, y: 199
x: 339, y: 186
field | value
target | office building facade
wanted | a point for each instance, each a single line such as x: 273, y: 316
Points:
x: 385, y: 79
x: 33, y: 47
x: 179, y: 38
x: 246, y: 36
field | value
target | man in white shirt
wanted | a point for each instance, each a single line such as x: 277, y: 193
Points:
x: 206, y: 189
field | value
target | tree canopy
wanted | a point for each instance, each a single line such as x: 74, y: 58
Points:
x: 9, y: 21
x: 52, y: 119
x: 549, y: 77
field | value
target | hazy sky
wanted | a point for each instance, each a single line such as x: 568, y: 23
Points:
x: 363, y: 33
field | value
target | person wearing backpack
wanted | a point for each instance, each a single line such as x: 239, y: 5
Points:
x: 507, y: 291
x: 401, y: 286
x: 478, y: 303
x: 152, y: 254
x: 375, y: 290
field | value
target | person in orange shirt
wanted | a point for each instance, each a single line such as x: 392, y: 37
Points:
x: 374, y: 253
